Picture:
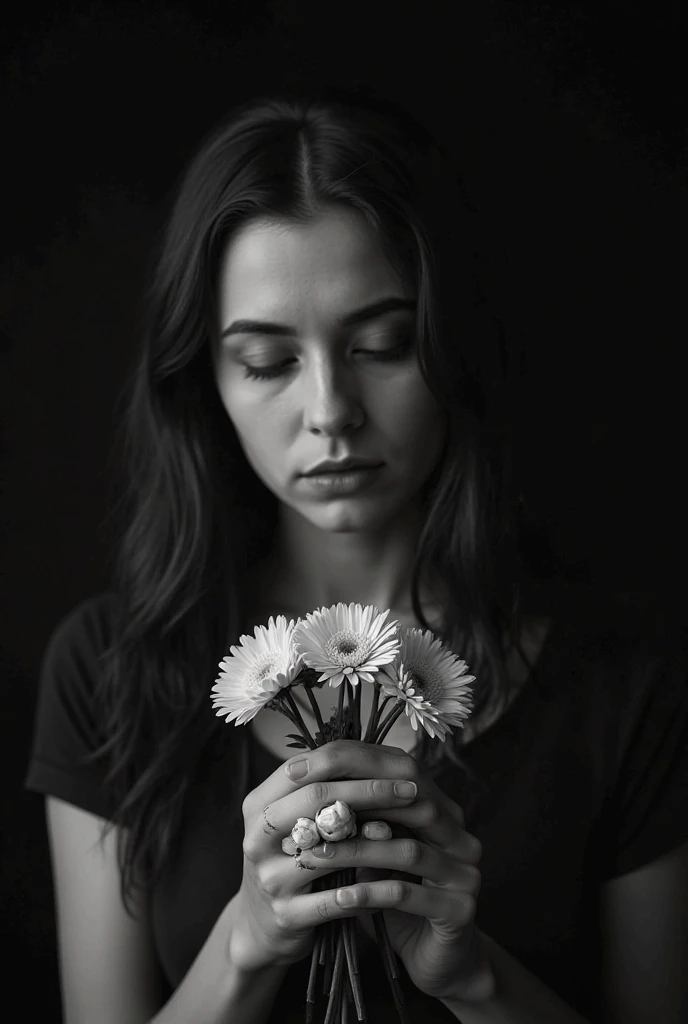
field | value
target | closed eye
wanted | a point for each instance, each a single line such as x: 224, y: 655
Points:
x: 387, y: 355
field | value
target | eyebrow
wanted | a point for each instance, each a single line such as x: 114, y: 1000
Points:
x: 358, y: 316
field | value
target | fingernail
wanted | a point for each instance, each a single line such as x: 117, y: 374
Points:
x: 324, y: 850
x: 376, y: 830
x: 345, y: 897
x: 297, y: 769
x: 405, y: 789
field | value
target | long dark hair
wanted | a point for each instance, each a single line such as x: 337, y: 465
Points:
x: 190, y: 515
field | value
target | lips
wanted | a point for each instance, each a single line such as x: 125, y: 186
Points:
x: 339, y: 484
x: 345, y: 466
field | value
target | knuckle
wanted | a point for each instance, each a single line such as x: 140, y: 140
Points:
x: 325, y: 908
x: 398, y: 891
x: 405, y: 763
x: 411, y: 768
x: 475, y: 849
x: 356, y: 850
x: 430, y: 812
x: 341, y: 745
x: 249, y: 847
x: 247, y: 807
x: 280, y: 914
x: 396, y: 750
x: 317, y: 793
x: 474, y: 878
x: 267, y: 881
x: 380, y: 788
x: 467, y: 907
x: 410, y: 851
x: 331, y: 756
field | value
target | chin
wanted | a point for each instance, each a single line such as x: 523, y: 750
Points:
x: 353, y: 519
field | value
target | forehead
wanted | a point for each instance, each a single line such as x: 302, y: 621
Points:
x: 334, y: 260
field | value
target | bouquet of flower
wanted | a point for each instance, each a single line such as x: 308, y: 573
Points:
x: 346, y: 647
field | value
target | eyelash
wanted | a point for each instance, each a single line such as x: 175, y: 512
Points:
x: 390, y: 355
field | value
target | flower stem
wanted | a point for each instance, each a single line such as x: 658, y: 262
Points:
x: 388, y: 723
x: 337, y: 980
x: 349, y: 926
x: 353, y: 710
x: 340, y: 711
x: 328, y: 959
x: 347, y: 718
x: 373, y: 714
x: 390, y: 962
x: 280, y: 706
x: 378, y: 715
x: 316, y: 710
x: 310, y: 995
x: 299, y: 720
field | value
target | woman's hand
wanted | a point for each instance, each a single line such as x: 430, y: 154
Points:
x: 275, y: 910
x: 430, y: 918
x: 430, y: 922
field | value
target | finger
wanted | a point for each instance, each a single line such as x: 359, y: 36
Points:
x: 446, y: 909
x: 353, y: 759
x: 431, y: 824
x: 433, y: 791
x: 278, y: 819
x: 408, y: 856
x: 338, y: 759
x: 341, y: 759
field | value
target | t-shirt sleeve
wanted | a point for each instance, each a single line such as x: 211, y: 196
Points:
x: 65, y: 723
x: 647, y: 811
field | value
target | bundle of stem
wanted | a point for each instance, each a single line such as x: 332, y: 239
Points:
x: 335, y: 950
x: 335, y: 943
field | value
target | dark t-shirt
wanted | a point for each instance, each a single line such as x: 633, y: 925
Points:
x: 583, y: 779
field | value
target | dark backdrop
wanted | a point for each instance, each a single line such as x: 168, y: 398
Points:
x: 569, y: 124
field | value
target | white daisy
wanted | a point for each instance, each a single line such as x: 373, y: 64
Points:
x: 347, y: 642
x: 258, y: 670
x: 429, y: 678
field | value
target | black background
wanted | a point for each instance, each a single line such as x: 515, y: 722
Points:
x: 569, y: 124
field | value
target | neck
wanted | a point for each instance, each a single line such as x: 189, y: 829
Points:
x: 310, y: 567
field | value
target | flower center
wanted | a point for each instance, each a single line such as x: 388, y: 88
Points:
x: 427, y: 681
x: 266, y: 665
x: 347, y: 648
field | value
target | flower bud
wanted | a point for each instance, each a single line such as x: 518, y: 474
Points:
x: 336, y: 821
x: 305, y: 834
x: 376, y: 830
x: 289, y: 846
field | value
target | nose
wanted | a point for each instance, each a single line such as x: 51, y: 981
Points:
x: 331, y: 402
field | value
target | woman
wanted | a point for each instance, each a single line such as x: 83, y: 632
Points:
x: 313, y: 302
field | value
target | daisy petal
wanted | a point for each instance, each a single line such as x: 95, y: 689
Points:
x: 429, y: 678
x: 257, y: 671
x: 347, y: 641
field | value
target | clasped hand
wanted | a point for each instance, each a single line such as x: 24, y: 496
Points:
x: 426, y: 882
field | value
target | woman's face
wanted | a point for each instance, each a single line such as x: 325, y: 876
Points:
x: 332, y: 387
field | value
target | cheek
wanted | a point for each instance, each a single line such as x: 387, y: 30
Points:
x: 261, y: 426
x: 412, y: 418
